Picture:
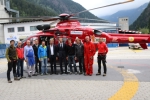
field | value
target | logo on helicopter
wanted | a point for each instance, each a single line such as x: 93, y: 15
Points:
x: 131, y: 39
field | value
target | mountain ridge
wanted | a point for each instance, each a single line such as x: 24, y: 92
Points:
x: 143, y: 21
x: 48, y: 8
x: 133, y: 14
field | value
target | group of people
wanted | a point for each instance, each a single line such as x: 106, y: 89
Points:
x: 37, y: 56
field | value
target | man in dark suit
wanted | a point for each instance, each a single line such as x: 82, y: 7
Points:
x: 61, y: 51
x: 35, y: 48
x: 52, y: 54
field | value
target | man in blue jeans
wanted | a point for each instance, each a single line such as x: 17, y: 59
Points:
x: 20, y: 62
x: 71, y: 56
x: 42, y: 55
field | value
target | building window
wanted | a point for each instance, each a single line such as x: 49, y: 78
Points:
x: 20, y: 29
x: 33, y: 28
x: 10, y: 30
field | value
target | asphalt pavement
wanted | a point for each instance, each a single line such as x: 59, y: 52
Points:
x: 128, y: 77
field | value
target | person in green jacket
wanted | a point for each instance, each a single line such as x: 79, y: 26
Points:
x: 11, y: 55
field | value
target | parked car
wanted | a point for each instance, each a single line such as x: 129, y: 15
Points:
x: 134, y: 45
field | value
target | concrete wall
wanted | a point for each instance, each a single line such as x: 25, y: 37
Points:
x: 2, y: 40
x: 3, y: 14
x: 124, y: 23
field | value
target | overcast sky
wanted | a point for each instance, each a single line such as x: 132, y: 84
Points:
x: 88, y: 4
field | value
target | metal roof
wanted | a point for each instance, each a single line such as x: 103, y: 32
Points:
x: 20, y: 22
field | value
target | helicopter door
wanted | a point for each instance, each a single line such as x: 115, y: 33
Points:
x: 46, y: 39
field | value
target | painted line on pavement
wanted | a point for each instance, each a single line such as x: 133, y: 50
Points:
x: 129, y: 88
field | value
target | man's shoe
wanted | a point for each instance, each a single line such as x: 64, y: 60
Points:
x: 19, y: 78
x: 104, y: 74
x: 46, y: 73
x: 90, y: 74
x: 85, y: 74
x: 66, y: 73
x: 51, y: 73
x: 37, y: 73
x: 29, y: 75
x: 98, y: 74
x: 16, y: 79
x: 9, y: 81
x: 23, y: 77
x: 41, y: 74
x: 76, y: 73
x: 56, y: 73
x: 70, y: 73
x: 34, y: 75
x: 80, y: 73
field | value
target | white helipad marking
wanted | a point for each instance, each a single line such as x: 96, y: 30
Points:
x: 133, y: 71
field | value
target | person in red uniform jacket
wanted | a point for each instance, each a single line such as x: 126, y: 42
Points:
x: 89, y: 52
x: 102, y: 51
x: 20, y: 53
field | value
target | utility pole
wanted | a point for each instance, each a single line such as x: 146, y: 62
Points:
x: 7, y: 8
x: 149, y: 25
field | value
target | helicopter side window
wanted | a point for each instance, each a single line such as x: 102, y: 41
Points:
x: 97, y: 32
x: 46, y: 39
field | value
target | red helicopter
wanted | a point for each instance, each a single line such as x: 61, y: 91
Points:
x: 69, y: 27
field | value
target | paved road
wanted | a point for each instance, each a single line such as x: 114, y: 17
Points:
x: 131, y: 81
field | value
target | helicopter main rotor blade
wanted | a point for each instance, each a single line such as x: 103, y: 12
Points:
x: 93, y: 19
x: 31, y: 18
x: 102, y: 7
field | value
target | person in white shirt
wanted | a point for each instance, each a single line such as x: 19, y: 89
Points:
x: 52, y: 56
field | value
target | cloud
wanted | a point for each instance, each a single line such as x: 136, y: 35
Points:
x: 88, y: 4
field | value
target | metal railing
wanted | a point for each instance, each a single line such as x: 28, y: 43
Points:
x: 3, y: 50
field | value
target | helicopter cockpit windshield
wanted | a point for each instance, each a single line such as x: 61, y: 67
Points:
x: 24, y: 40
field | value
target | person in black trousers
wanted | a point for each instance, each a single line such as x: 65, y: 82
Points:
x: 71, y: 56
x: 20, y: 61
x: 35, y: 48
x: 51, y: 55
x: 61, y: 53
x: 11, y: 55
x: 102, y: 52
x: 79, y: 55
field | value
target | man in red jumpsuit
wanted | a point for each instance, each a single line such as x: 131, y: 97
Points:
x: 102, y: 51
x: 89, y: 52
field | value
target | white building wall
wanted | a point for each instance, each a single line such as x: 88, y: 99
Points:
x: 20, y: 35
x: 3, y: 14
